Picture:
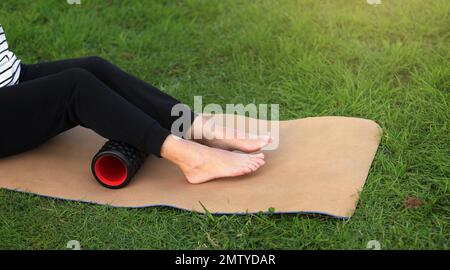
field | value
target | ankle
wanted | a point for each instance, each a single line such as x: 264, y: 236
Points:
x: 181, y: 152
x: 171, y: 147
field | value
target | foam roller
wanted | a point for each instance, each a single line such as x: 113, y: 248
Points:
x: 116, y: 163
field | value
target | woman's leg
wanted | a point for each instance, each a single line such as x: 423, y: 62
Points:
x: 36, y: 110
x: 152, y: 101
x: 146, y: 97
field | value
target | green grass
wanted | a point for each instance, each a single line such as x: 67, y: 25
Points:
x: 389, y: 63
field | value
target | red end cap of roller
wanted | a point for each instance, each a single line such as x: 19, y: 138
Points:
x: 111, y: 170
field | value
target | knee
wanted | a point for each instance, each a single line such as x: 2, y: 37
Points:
x: 81, y: 81
x: 77, y: 78
x: 96, y: 62
x: 78, y: 74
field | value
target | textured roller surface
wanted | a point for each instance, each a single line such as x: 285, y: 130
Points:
x: 116, y: 163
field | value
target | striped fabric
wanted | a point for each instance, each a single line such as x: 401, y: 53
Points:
x: 9, y: 64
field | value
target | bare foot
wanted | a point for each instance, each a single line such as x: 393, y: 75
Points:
x: 226, y: 138
x: 201, y: 163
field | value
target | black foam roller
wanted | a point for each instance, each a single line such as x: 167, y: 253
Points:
x: 116, y: 163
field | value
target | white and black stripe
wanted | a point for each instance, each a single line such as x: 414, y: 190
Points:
x: 9, y: 64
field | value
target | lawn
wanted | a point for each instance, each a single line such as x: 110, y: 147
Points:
x: 388, y: 63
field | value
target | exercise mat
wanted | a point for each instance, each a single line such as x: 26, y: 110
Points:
x: 320, y: 166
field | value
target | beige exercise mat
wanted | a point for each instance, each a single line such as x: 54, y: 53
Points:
x: 320, y: 166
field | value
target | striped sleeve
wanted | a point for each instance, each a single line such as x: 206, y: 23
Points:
x: 9, y: 63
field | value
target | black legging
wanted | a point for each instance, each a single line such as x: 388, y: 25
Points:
x: 56, y: 96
